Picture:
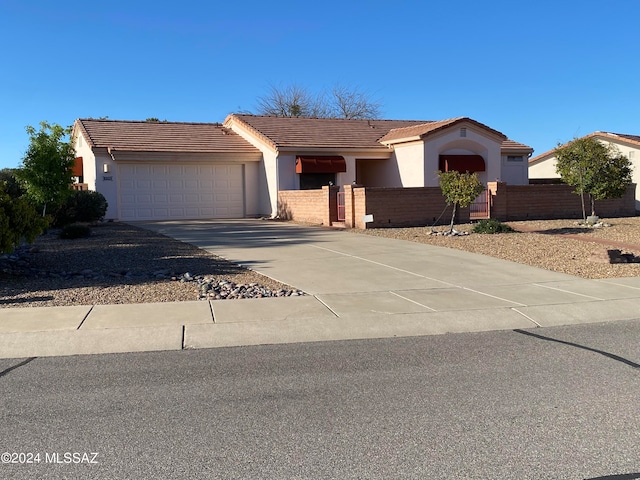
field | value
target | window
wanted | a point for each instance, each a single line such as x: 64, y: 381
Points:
x: 463, y: 132
x: 514, y: 158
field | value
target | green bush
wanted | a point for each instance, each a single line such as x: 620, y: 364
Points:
x: 81, y: 206
x: 12, y: 186
x: 75, y: 230
x: 491, y: 226
x: 18, y: 221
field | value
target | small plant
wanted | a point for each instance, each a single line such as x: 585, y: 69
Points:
x: 491, y: 226
x: 75, y: 230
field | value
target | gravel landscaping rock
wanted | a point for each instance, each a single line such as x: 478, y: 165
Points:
x: 120, y: 263
x: 564, y: 246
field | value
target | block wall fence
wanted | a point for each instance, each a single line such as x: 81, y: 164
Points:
x: 420, y: 206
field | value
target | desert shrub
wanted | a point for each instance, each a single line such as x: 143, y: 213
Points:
x: 18, y: 221
x: 81, y: 206
x: 491, y: 226
x: 75, y: 230
x: 12, y: 186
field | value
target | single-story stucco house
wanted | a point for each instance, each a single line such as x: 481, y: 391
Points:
x: 544, y: 166
x: 169, y: 170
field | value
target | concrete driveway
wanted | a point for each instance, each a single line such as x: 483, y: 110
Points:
x: 357, y: 276
x: 358, y: 287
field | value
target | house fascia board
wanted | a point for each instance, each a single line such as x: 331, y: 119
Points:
x: 77, y: 130
x: 150, y: 156
x: 250, y: 134
x: 413, y: 138
x: 478, y: 128
x: 516, y: 151
x: 381, y: 153
x: 613, y: 138
x: 542, y: 157
x: 409, y: 142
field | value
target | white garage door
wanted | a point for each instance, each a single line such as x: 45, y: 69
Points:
x: 152, y: 191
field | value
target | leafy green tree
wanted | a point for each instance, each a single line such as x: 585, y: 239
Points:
x: 46, y: 166
x: 593, y: 168
x: 459, y: 189
x: 18, y: 220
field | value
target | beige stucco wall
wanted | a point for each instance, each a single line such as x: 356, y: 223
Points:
x: 409, y: 164
x: 451, y: 142
x: 515, y: 172
x: 107, y: 183
x: 88, y: 161
x: 348, y: 177
x: 266, y: 174
x: 93, y: 174
x: 545, y: 168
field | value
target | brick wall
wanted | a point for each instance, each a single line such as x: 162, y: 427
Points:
x: 404, y: 207
x: 310, y: 206
x: 400, y: 207
x: 523, y: 202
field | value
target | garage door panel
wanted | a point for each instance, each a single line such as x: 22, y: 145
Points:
x: 156, y: 192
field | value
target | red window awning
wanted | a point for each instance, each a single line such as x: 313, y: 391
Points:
x: 462, y: 163
x: 320, y: 164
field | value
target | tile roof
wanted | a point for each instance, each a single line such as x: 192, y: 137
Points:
x: 432, y: 127
x: 162, y: 136
x: 513, y: 145
x: 622, y: 137
x: 348, y: 133
x: 320, y: 132
x: 630, y: 138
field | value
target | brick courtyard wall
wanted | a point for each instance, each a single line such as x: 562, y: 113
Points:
x: 398, y: 207
x: 309, y: 206
x: 530, y: 202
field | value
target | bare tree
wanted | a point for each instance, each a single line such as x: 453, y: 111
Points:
x: 351, y: 103
x: 291, y: 101
x: 297, y: 101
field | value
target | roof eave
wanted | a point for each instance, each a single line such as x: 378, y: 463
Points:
x: 233, y: 120
x: 130, y: 155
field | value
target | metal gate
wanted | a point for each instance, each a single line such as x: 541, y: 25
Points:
x: 341, y: 210
x: 479, y: 209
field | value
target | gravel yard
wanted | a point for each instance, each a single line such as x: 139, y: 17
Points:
x: 121, y: 263
x: 557, y: 245
x: 118, y: 263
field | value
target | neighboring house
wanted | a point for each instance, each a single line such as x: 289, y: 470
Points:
x: 544, y: 166
x: 166, y: 170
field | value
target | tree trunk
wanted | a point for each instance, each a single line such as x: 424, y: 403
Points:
x: 584, y: 213
x: 44, y: 210
x: 453, y: 216
x: 593, y: 205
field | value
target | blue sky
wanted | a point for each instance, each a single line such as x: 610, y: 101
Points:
x: 540, y: 72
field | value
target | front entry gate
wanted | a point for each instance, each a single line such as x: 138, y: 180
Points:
x: 479, y: 209
x: 341, y: 209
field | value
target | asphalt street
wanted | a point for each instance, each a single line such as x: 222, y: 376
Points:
x: 546, y: 403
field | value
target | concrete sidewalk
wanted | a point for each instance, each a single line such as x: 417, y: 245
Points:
x: 359, y: 286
